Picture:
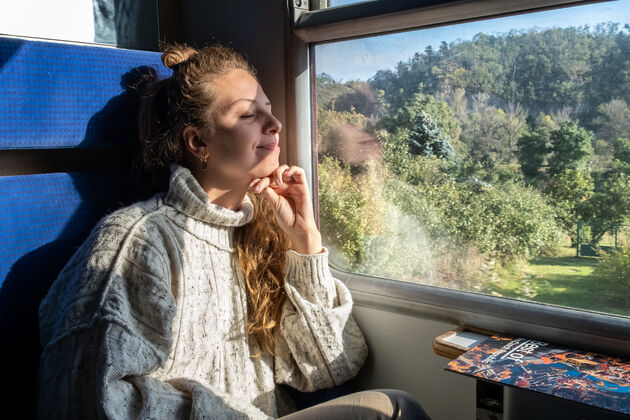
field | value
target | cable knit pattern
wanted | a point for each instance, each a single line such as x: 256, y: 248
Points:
x: 148, y: 320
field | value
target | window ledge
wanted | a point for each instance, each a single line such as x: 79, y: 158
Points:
x: 592, y: 331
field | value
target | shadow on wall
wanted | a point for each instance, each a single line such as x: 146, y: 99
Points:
x: 74, y: 204
x: 126, y: 23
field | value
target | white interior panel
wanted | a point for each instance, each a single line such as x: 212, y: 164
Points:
x: 401, y: 357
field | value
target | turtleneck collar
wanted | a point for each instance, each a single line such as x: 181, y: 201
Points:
x: 186, y: 195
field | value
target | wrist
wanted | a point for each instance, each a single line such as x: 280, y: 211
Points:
x: 307, y: 243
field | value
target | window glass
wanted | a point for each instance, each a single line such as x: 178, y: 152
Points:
x: 124, y: 23
x: 489, y: 156
x: 333, y: 3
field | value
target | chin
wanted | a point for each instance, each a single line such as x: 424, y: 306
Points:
x: 264, y: 169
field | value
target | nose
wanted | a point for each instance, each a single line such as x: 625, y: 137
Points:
x: 273, y: 125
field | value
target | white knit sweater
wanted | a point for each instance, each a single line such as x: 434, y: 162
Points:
x: 148, y: 320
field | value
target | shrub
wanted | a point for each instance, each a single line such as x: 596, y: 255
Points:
x: 419, y: 218
x: 349, y: 208
x: 364, y: 232
x: 503, y: 219
x: 515, y: 221
x: 613, y: 277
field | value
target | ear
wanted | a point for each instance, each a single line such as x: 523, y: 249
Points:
x: 193, y: 141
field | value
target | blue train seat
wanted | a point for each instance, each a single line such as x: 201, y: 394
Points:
x: 74, y: 99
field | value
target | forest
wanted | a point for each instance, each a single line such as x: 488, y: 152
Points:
x: 472, y: 165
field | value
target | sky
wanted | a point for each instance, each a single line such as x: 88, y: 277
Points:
x: 362, y: 58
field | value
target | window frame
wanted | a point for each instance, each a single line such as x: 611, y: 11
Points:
x: 593, y: 331
x: 379, y: 17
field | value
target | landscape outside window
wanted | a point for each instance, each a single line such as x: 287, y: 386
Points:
x: 491, y: 156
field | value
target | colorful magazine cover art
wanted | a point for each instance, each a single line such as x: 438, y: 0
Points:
x: 589, y: 378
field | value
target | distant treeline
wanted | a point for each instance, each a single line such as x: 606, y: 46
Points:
x: 570, y: 70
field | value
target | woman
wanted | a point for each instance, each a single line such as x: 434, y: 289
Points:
x: 197, y: 302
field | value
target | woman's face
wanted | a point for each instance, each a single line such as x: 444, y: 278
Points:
x: 244, y: 142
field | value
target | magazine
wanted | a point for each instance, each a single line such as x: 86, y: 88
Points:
x: 589, y: 378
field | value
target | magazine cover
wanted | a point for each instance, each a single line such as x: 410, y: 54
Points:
x: 575, y: 375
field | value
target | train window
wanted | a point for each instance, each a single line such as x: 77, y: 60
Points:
x: 124, y: 23
x: 489, y: 156
x: 335, y: 3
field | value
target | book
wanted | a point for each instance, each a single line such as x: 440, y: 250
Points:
x: 453, y: 344
x: 589, y: 378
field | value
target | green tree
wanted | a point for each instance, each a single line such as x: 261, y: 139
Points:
x: 532, y: 152
x: 491, y: 133
x: 440, y: 112
x: 622, y: 154
x: 609, y: 65
x: 426, y: 125
x: 613, y: 120
x: 571, y: 146
x: 534, y: 146
x: 609, y: 205
x: 425, y: 138
x: 568, y: 191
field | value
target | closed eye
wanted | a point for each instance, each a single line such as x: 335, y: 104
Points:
x: 247, y: 115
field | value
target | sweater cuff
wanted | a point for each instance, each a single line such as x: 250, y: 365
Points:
x: 310, y: 276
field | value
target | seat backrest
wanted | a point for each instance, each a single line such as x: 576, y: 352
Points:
x: 75, y: 101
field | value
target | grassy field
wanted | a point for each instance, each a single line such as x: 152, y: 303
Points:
x: 564, y: 280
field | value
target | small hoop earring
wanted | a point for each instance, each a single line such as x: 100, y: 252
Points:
x: 204, y: 161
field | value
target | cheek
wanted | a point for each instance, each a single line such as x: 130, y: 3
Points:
x: 232, y: 146
x: 235, y: 153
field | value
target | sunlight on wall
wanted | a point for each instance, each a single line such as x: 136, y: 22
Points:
x: 70, y: 20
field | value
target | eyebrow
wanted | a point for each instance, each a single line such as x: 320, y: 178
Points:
x: 243, y: 99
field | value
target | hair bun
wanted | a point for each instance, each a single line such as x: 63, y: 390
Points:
x: 174, y: 55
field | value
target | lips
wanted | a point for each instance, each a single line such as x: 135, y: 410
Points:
x: 269, y: 146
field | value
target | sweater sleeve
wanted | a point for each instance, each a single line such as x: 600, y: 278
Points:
x: 106, y: 324
x: 320, y: 344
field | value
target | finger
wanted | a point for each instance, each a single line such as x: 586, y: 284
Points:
x: 254, y: 181
x: 262, y: 184
x: 272, y: 196
x: 296, y: 174
x: 278, y: 174
x: 279, y: 188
